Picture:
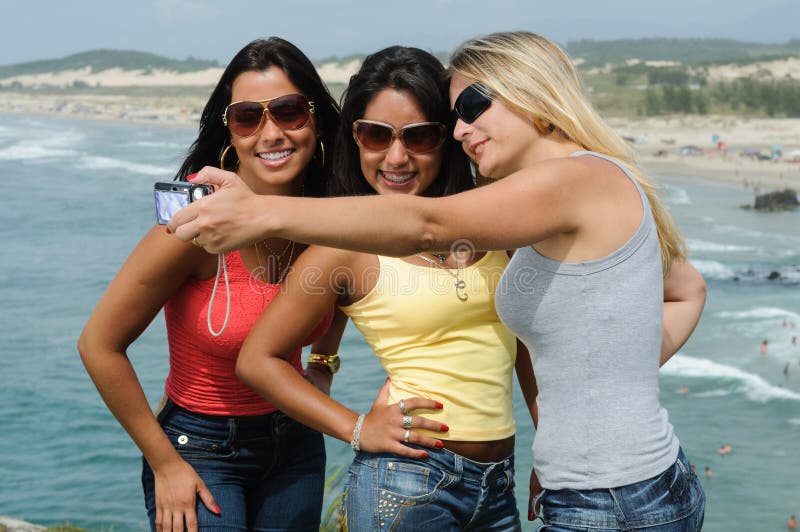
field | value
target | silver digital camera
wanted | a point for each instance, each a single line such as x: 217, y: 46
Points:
x: 175, y: 195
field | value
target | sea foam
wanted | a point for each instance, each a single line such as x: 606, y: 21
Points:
x: 758, y: 313
x: 753, y: 386
x: 711, y: 269
x: 110, y: 163
x: 715, y: 247
x: 675, y: 195
x: 26, y: 152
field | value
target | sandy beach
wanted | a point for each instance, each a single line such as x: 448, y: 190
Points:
x: 657, y: 140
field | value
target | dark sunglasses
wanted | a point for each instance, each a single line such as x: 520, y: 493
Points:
x: 416, y: 138
x: 289, y: 112
x: 472, y: 101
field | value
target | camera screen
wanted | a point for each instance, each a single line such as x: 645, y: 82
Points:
x: 168, y: 202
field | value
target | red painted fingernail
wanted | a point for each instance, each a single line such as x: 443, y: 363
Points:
x: 439, y: 444
x: 425, y: 454
x: 445, y: 428
x: 217, y: 510
x: 439, y: 405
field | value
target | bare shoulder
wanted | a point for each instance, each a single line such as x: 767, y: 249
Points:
x: 162, y: 252
x: 604, y: 171
x: 562, y: 172
x: 328, y: 258
x: 339, y: 268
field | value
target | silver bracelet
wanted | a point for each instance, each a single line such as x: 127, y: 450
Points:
x: 354, y: 443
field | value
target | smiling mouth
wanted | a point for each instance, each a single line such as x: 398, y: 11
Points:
x: 275, y: 155
x: 398, y: 178
x: 477, y: 149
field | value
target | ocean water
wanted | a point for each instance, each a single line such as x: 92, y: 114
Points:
x: 78, y: 196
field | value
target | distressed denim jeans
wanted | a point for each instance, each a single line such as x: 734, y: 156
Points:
x: 442, y: 493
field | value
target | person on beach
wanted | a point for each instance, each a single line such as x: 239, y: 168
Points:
x: 429, y: 317
x: 792, y: 524
x: 599, y: 288
x: 764, y: 346
x: 218, y: 456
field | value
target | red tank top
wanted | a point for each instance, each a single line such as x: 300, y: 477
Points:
x: 202, y: 376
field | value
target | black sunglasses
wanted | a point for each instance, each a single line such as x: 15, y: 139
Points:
x: 472, y: 102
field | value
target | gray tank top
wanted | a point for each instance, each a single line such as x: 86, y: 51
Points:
x: 594, y: 332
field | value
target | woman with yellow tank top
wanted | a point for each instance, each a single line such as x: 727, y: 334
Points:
x: 436, y: 449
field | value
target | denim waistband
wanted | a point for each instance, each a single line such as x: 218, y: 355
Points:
x: 464, y: 468
x: 244, y: 424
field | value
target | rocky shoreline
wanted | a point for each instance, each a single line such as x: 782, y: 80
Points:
x: 7, y: 524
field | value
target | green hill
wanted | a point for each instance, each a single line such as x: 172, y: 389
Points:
x: 686, y: 51
x: 99, y: 60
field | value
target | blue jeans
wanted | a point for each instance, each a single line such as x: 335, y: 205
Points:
x: 672, y: 501
x: 266, y: 472
x: 444, y: 492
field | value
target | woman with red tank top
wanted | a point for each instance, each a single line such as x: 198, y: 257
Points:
x: 218, y: 455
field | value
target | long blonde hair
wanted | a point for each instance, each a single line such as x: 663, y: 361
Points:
x: 535, y: 78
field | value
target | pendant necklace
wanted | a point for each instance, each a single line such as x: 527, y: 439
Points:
x: 460, y: 286
x: 278, y: 257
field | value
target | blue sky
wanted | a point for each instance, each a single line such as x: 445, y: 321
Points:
x: 46, y: 29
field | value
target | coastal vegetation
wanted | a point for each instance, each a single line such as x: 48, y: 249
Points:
x: 685, y: 51
x: 99, y: 60
x: 625, y: 77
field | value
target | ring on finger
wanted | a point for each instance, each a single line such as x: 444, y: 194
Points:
x: 407, y: 435
x: 403, y: 409
x: 196, y: 242
x: 407, y: 422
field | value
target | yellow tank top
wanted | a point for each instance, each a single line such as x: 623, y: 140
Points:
x: 434, y: 345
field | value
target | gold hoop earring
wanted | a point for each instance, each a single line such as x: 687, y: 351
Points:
x: 222, y: 157
x: 321, y: 158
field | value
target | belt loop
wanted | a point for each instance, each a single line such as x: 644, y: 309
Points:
x: 233, y: 430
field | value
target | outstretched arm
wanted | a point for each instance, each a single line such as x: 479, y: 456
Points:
x: 684, y: 299
x: 523, y: 208
x: 152, y: 273
x: 311, y: 288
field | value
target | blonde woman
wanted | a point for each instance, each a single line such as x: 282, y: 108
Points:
x: 599, y: 289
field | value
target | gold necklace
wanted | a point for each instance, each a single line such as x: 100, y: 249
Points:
x: 282, y: 253
x: 282, y: 273
x: 460, y: 286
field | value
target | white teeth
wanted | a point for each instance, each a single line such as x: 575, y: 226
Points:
x: 478, y: 149
x: 274, y: 156
x: 397, y: 178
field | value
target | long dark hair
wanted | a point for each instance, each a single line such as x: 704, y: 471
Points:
x: 258, y: 56
x: 423, y: 77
